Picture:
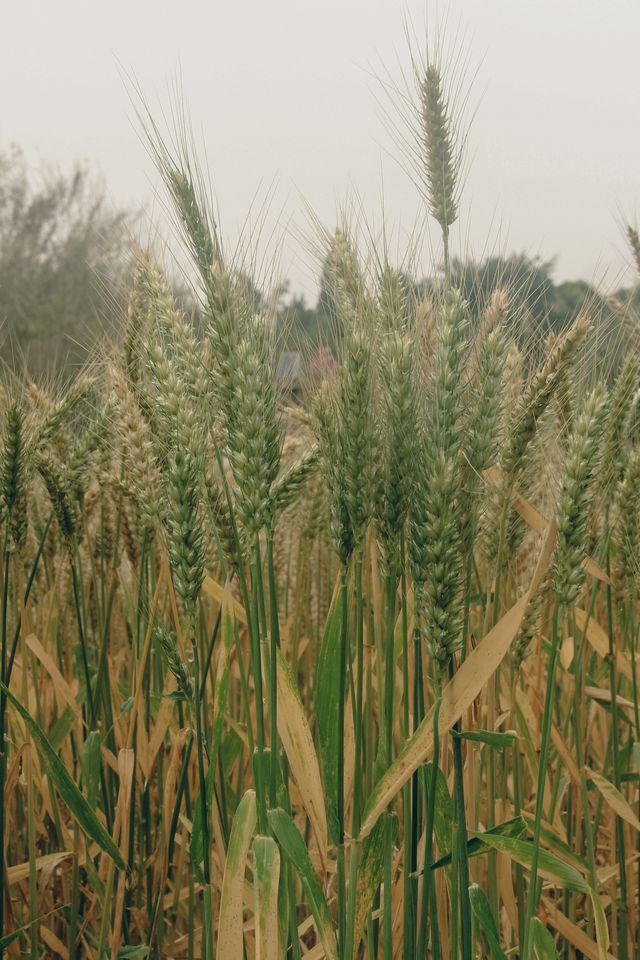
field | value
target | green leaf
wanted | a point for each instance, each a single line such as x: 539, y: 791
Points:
x: 61, y: 727
x: 498, y: 740
x: 221, y: 689
x: 327, y: 691
x: 482, y: 910
x: 526, y: 741
x: 370, y: 870
x: 230, y: 938
x: 554, y: 843
x: 90, y: 766
x: 10, y: 937
x: 599, y: 916
x: 291, y: 841
x: 543, y: 945
x: 509, y: 828
x: 266, y: 875
x: 285, y: 904
x: 68, y: 790
x: 231, y: 748
x: 613, y: 798
x: 549, y: 865
x: 443, y: 809
x: 196, y: 848
x: 178, y: 696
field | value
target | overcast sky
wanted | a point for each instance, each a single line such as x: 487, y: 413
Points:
x: 283, y: 94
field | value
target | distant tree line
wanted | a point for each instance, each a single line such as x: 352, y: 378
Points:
x: 538, y: 305
x: 65, y: 265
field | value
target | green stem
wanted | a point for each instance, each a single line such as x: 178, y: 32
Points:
x: 408, y: 913
x: 623, y: 911
x: 578, y: 694
x: 200, y: 746
x: 532, y: 900
x: 357, y: 780
x: 389, y: 662
x: 275, y: 646
x: 256, y: 665
x: 517, y: 803
x: 463, y: 860
x: 207, y: 663
x: 72, y: 934
x: 631, y: 630
x: 82, y: 642
x: 446, y: 257
x: 207, y: 929
x: 359, y: 695
x: 428, y: 885
x: 387, y: 947
x: 3, y: 713
x: 418, y: 714
x: 344, y: 641
x: 350, y: 944
x: 491, y: 618
x: 387, y: 925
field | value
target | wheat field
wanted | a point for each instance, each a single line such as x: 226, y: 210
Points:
x: 345, y: 674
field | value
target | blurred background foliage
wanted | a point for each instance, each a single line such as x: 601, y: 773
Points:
x: 65, y: 267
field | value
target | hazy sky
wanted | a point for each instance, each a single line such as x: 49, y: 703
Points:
x: 284, y: 95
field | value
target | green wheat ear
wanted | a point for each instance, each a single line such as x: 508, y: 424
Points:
x: 138, y: 321
x: 325, y: 409
x: 634, y: 243
x: 13, y: 476
x: 61, y: 502
x: 166, y: 639
x: 575, y: 496
x: 195, y: 223
x: 345, y: 276
x: 185, y: 537
x: 251, y: 427
x: 356, y: 434
x: 289, y: 486
x: 622, y: 397
x: 441, y: 163
x: 535, y: 398
x: 138, y: 454
x: 399, y: 405
x: 393, y: 300
x: 435, y: 516
x: 628, y: 522
x: 56, y: 417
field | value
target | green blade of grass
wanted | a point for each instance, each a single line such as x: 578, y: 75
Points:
x: 68, y: 790
x: 515, y: 828
x: 550, y: 866
x: 543, y: 946
x: 290, y: 839
x: 328, y: 688
x: 482, y: 912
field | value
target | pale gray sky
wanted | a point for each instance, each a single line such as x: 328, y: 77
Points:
x: 284, y: 92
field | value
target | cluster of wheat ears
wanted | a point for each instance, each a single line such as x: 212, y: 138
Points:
x: 353, y: 677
